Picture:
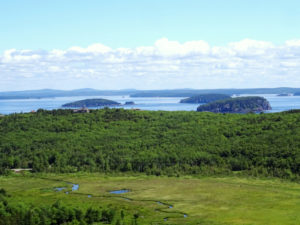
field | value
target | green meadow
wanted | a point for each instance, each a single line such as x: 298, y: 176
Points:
x: 193, y: 200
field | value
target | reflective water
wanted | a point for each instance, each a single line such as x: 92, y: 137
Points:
x: 59, y: 188
x: 168, y: 104
x: 75, y: 187
x: 161, y: 203
x: 119, y: 191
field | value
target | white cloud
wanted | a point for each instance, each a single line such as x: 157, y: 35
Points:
x: 249, y: 47
x: 165, y: 47
x: 166, y: 64
x: 95, y: 48
x: 293, y: 43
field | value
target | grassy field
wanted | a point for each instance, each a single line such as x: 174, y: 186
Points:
x: 227, y: 200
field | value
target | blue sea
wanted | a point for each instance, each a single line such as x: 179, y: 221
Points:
x: 152, y: 103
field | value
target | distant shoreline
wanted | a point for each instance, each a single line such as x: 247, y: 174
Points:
x: 50, y: 93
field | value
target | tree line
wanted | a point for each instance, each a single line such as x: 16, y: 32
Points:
x: 160, y: 142
x: 59, y: 214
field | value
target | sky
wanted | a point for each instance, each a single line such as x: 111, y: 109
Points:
x: 67, y: 44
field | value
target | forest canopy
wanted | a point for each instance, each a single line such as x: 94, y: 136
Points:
x: 91, y: 103
x: 151, y: 142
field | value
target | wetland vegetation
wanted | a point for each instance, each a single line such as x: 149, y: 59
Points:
x: 194, y: 199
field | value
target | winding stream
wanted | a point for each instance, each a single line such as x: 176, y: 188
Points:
x: 75, y: 187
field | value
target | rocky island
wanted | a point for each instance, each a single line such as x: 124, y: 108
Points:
x: 205, y: 98
x: 91, y: 103
x: 237, y: 105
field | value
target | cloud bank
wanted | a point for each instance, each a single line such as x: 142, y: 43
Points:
x: 166, y: 64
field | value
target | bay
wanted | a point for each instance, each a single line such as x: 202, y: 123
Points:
x: 278, y: 103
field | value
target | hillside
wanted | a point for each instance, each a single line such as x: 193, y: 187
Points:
x: 91, y: 103
x: 152, y: 142
x: 205, y: 98
x: 237, y: 105
x: 50, y: 93
x: 191, y: 92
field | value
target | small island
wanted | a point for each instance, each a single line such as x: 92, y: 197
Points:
x: 205, y: 98
x: 237, y: 105
x: 284, y: 94
x: 91, y: 103
x: 129, y: 103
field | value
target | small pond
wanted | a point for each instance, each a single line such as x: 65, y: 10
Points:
x: 119, y: 191
x: 59, y: 188
x: 75, y: 187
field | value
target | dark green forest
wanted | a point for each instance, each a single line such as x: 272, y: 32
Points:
x: 57, y: 214
x: 237, y: 105
x: 152, y: 142
x: 91, y: 103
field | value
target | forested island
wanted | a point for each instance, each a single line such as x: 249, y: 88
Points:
x: 284, y: 95
x: 129, y: 103
x: 237, y: 105
x: 205, y: 98
x: 91, y: 103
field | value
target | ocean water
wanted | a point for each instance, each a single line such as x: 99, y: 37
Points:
x: 152, y: 103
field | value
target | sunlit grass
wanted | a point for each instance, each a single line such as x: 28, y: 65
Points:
x: 227, y: 200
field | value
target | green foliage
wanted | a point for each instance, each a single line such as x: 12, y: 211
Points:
x: 237, y: 105
x: 91, y: 103
x: 158, y: 143
x: 56, y: 214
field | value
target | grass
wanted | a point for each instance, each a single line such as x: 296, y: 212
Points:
x: 209, y: 200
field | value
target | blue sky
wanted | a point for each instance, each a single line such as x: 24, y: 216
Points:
x: 67, y: 44
x: 36, y: 24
